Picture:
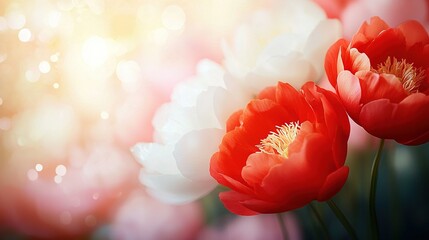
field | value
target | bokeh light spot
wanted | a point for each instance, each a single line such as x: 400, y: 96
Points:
x: 58, y: 179
x: 61, y: 170
x: 24, y: 35
x: 94, y: 51
x: 128, y: 73
x: 15, y: 20
x: 32, y: 75
x: 39, y: 167
x: 173, y: 17
x: 32, y: 175
x: 44, y: 67
x: 95, y: 196
x: 104, y: 115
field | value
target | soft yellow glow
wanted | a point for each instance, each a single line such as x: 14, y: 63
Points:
x: 173, y: 17
x: 32, y: 75
x: 54, y: 57
x: 95, y: 51
x: 54, y: 19
x: 56, y: 85
x: 159, y: 36
x: 44, y: 67
x: 3, y: 24
x: 24, y: 35
x: 128, y: 73
x: 104, y: 115
x: 15, y: 20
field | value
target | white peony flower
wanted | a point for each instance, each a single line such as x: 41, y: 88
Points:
x: 286, y: 43
x: 188, y: 131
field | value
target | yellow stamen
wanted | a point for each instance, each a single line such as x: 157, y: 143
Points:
x: 278, y: 142
x: 410, y: 76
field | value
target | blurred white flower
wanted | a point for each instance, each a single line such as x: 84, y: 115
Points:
x: 188, y: 131
x: 286, y: 43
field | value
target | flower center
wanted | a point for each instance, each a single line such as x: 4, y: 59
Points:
x: 410, y: 76
x: 278, y: 142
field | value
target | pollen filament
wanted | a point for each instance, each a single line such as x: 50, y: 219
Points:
x: 278, y: 142
x: 410, y: 76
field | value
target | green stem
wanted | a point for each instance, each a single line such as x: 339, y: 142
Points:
x: 342, y: 219
x: 321, y: 222
x: 282, y: 226
x: 374, y: 176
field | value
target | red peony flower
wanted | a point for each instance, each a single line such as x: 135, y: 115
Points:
x: 285, y: 149
x: 382, y: 78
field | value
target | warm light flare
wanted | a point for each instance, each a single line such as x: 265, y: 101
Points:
x: 95, y: 51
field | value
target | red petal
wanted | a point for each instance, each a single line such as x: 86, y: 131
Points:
x: 300, y: 176
x: 368, y: 31
x: 232, y: 155
x: 339, y: 127
x: 414, y: 33
x: 333, y: 184
x: 359, y: 61
x: 232, y: 201
x: 258, y: 166
x: 424, y: 138
x: 349, y: 91
x: 376, y: 86
x: 266, y: 207
x: 268, y: 93
x: 234, y: 120
x: 260, y: 117
x: 217, y: 171
x: 376, y: 118
x: 402, y: 122
x: 291, y: 99
x: 390, y: 42
x: 331, y: 60
x: 413, y: 115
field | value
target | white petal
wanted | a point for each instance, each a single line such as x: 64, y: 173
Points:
x: 210, y: 73
x: 205, y: 109
x: 194, y: 151
x: 232, y: 99
x: 281, y: 46
x: 293, y: 69
x: 186, y: 93
x: 321, y: 38
x: 175, y: 189
x: 171, y: 121
x: 155, y: 158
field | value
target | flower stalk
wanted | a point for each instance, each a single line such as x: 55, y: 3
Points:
x: 320, y: 220
x: 339, y: 214
x: 372, y: 193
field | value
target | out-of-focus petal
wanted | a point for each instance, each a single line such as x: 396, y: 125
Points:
x: 192, y: 151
